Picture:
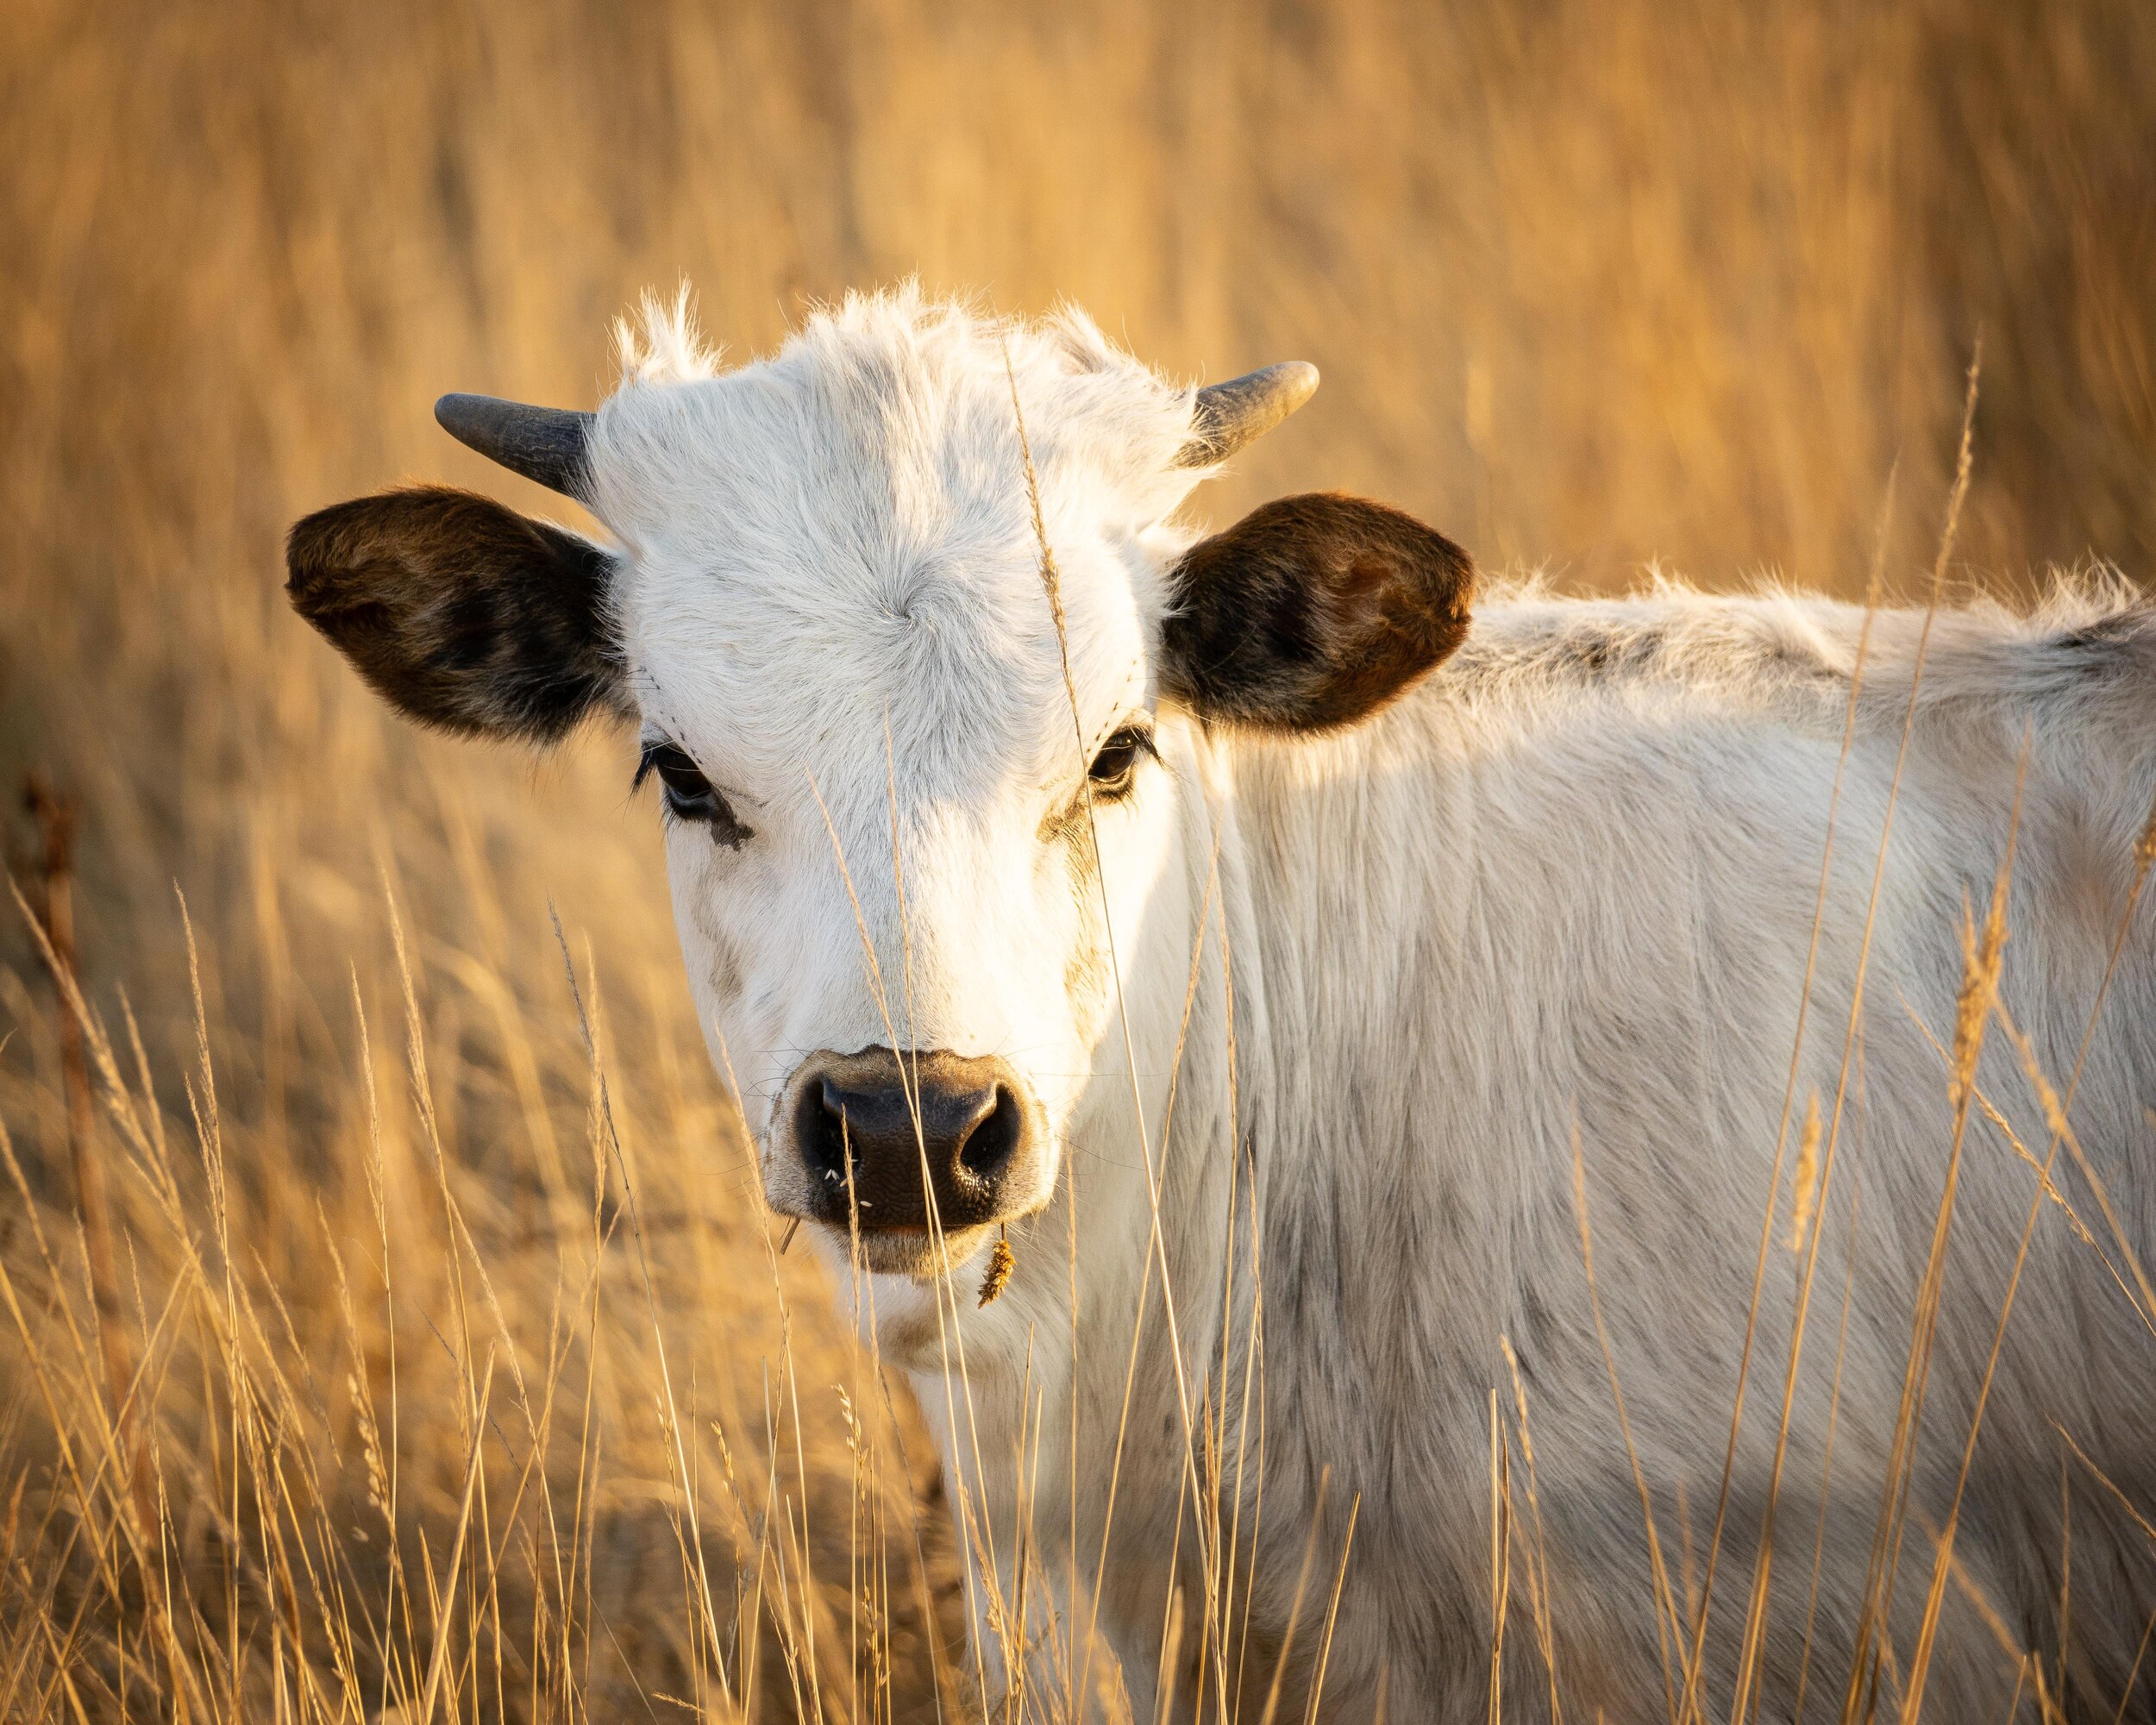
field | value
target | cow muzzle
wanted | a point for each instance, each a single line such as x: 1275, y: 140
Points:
x: 888, y: 1143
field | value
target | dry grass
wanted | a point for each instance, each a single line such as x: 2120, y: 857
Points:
x: 468, y: 1376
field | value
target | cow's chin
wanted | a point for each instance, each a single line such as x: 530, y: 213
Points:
x: 910, y: 1251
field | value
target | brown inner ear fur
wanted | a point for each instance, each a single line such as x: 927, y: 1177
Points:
x: 1311, y: 612
x: 459, y: 611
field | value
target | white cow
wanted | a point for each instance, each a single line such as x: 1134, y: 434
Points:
x: 1236, y: 956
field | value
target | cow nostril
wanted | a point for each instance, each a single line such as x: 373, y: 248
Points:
x: 823, y: 1135
x: 989, y: 1145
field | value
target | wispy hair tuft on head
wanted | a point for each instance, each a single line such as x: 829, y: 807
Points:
x: 660, y: 342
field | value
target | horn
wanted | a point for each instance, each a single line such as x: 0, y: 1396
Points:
x: 542, y: 443
x: 1230, y: 414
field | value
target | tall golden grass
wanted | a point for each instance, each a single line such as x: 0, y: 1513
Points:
x: 463, y: 1373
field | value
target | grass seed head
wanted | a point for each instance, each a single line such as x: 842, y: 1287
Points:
x: 1001, y: 1262
x: 1805, y: 1198
x: 1979, y: 987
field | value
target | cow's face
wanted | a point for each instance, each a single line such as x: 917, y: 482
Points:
x: 915, y: 776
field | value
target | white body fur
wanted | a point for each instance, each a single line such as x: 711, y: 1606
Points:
x: 1568, y: 883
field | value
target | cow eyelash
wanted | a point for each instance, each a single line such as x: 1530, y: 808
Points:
x: 686, y: 795
x: 1114, y: 769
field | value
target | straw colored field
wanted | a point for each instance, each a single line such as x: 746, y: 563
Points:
x: 403, y: 1174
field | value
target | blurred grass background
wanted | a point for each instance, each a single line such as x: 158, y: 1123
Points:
x: 1591, y: 282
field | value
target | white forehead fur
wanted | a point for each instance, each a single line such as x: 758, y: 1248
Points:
x: 840, y: 536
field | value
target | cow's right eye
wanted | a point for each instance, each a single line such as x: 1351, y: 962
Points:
x: 1114, y: 769
x: 689, y: 795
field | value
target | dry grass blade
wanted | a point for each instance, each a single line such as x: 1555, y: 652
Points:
x: 1286, y: 1652
x: 439, y: 1663
x: 1500, y: 1554
x: 1957, y: 497
x: 1332, y: 1613
x: 1051, y: 581
x: 1539, y: 1597
x: 1669, y: 1620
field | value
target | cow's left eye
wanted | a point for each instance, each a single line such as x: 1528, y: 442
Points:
x: 688, y: 794
x: 1114, y: 769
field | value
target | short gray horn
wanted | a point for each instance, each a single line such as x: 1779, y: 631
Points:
x: 542, y: 443
x: 1230, y: 414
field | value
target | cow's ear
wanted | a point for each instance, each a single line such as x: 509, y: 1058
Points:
x: 1311, y: 612
x: 460, y: 612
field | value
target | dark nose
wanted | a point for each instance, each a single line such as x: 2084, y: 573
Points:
x: 910, y: 1129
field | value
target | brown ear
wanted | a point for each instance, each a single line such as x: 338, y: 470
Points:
x: 1313, y: 612
x: 460, y: 612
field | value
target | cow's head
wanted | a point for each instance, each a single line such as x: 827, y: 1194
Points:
x: 913, y: 789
